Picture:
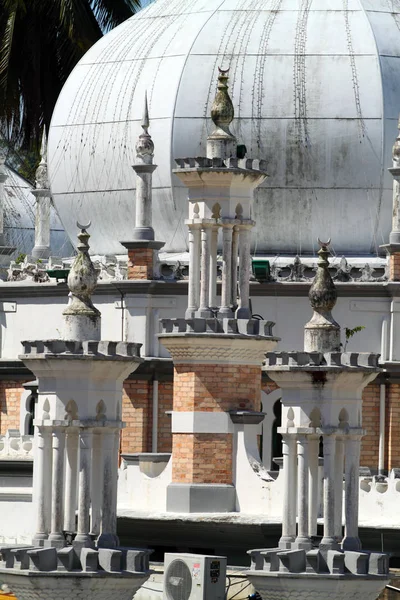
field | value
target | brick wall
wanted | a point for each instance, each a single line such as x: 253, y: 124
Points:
x: 137, y: 414
x: 394, y: 264
x: 10, y: 402
x: 141, y: 263
x: 165, y: 391
x: 393, y: 425
x: 370, y: 422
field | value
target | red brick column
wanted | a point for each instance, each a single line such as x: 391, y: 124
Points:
x: 141, y: 263
x: 207, y: 457
x: 394, y: 271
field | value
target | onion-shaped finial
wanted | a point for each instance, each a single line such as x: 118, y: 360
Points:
x: 82, y: 279
x: 222, y: 111
x: 322, y: 333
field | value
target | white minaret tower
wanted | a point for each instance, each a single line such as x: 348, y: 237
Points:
x: 221, y: 188
x: 142, y: 249
x: 43, y: 203
x: 77, y: 430
x: 321, y: 400
x: 5, y: 251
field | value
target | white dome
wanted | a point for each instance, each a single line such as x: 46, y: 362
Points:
x: 316, y: 90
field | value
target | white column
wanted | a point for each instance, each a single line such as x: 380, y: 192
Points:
x: 42, y: 480
x: 234, y: 262
x: 56, y: 536
x: 243, y: 312
x: 302, y: 539
x: 84, y: 495
x: 351, y: 540
x: 204, y: 309
x: 42, y: 224
x: 71, y: 479
x: 194, y: 271
x: 97, y: 481
x: 108, y: 537
x: 313, y: 447
x: 213, y: 266
x: 226, y: 292
x: 339, y: 488
x: 289, y: 491
x: 329, y: 540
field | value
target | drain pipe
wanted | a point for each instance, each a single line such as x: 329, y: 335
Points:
x: 382, y: 400
x: 156, y: 353
x: 154, y: 433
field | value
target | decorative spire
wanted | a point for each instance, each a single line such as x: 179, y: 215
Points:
x: 322, y: 333
x: 222, y: 143
x: 42, y: 180
x: 82, y: 318
x: 145, y: 145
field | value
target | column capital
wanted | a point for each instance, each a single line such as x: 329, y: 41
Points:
x: 246, y: 224
x: 227, y: 223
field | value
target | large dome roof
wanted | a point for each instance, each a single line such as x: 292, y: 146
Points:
x: 316, y: 90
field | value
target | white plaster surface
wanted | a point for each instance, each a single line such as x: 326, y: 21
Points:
x: 326, y: 144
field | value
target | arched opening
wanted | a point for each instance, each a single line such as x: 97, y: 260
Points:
x: 276, y: 450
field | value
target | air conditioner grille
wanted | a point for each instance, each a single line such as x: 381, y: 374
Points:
x: 178, y: 581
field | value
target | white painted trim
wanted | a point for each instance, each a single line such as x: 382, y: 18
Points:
x: 201, y: 422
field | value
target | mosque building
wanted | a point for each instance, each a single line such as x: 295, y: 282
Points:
x: 315, y: 91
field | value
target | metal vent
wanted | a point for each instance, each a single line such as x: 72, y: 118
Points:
x: 178, y: 582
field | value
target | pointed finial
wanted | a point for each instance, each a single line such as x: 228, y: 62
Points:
x: 81, y: 315
x: 322, y: 333
x: 145, y: 118
x: 145, y: 145
x: 42, y: 180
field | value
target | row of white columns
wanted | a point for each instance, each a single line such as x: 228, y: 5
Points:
x: 300, y: 472
x: 203, y: 245
x: 86, y: 459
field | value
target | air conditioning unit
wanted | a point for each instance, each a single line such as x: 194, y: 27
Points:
x: 194, y: 577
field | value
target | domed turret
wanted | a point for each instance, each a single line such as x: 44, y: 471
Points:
x: 315, y: 92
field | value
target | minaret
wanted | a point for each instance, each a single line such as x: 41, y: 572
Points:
x: 218, y: 347
x: 5, y: 251
x: 43, y: 203
x: 142, y: 248
x: 221, y: 189
x: 393, y: 248
x: 77, y: 430
x: 321, y: 399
